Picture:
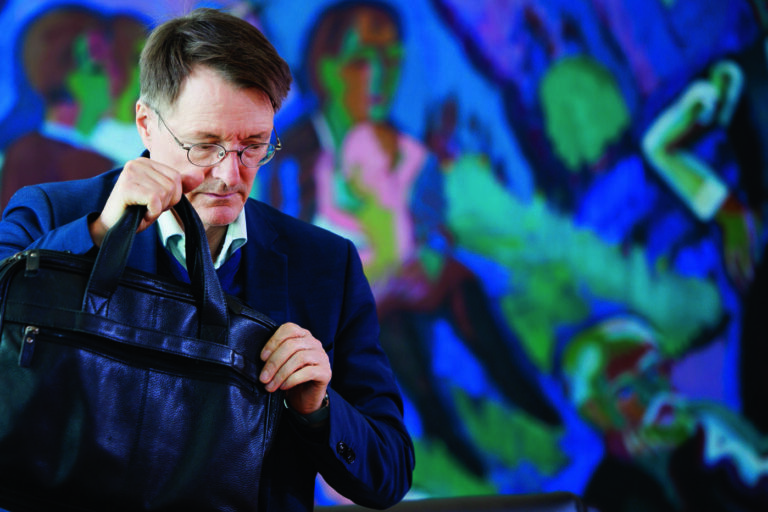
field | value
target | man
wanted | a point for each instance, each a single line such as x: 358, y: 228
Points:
x: 210, y: 86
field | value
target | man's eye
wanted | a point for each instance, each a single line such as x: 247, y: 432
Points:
x: 256, y: 149
x: 206, y: 148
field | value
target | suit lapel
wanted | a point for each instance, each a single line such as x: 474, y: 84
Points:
x: 266, y: 269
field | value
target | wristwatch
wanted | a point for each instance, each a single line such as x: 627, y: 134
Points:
x: 312, y: 419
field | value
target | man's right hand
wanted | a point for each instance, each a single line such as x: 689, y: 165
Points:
x: 144, y: 182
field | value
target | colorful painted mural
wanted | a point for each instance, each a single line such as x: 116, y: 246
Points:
x: 560, y: 207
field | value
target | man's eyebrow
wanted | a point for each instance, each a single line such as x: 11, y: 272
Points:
x: 263, y: 136
x: 201, y: 134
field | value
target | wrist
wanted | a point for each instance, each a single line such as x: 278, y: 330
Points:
x: 313, y: 419
x: 97, y: 229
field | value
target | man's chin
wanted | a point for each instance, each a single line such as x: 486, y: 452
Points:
x: 218, y: 216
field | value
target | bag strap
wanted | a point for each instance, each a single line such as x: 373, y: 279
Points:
x: 113, y: 255
x: 202, y: 274
x: 112, y: 258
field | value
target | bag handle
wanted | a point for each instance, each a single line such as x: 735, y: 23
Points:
x: 113, y: 255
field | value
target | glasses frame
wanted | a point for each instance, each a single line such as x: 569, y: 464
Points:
x: 277, y: 146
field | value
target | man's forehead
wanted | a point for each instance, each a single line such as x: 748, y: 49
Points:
x: 206, y: 81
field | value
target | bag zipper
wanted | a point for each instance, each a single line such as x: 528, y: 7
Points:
x: 28, y: 342
x: 132, y: 356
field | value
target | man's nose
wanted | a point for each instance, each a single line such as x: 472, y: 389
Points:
x: 228, y: 170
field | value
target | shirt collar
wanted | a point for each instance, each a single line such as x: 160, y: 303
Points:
x: 172, y: 236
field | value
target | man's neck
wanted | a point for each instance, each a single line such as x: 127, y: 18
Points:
x: 215, y: 236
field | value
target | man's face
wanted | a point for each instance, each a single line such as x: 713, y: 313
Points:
x: 209, y: 109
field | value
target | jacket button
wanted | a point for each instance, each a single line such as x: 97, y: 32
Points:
x: 346, y: 453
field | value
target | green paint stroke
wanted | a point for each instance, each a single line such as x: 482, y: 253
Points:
x: 438, y: 474
x: 583, y: 108
x: 125, y: 103
x: 507, y: 437
x: 558, y: 268
x: 89, y: 85
x: 512, y: 437
x: 531, y: 314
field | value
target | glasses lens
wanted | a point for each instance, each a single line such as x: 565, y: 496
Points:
x: 206, y: 154
x: 257, y: 154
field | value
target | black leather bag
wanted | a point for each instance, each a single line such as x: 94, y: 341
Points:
x: 123, y: 391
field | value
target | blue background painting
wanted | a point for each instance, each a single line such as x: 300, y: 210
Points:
x: 560, y: 207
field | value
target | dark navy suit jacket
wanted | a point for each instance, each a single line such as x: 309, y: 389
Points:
x: 295, y: 272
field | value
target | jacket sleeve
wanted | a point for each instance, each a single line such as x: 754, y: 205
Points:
x: 368, y: 456
x: 31, y: 221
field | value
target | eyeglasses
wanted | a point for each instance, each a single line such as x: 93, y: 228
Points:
x: 208, y: 154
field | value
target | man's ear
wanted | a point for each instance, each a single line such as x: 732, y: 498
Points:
x: 144, y: 117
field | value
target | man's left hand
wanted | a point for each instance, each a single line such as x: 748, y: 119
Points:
x: 295, y: 361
